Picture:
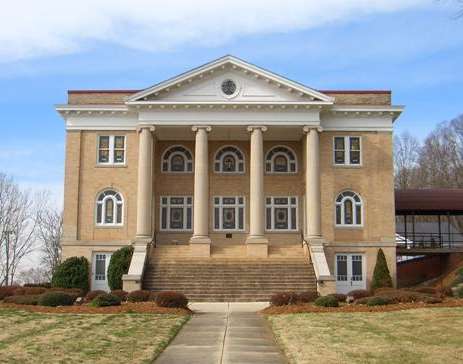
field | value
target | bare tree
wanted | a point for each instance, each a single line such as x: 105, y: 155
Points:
x: 49, y: 231
x: 406, y: 154
x: 17, y: 228
x: 31, y: 275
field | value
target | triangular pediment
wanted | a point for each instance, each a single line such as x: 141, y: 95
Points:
x: 251, y: 84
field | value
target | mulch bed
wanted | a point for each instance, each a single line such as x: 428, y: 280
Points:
x: 311, y: 308
x: 139, y: 307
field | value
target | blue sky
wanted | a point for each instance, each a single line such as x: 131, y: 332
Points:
x: 414, y: 48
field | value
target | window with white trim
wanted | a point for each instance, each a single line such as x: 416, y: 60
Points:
x: 229, y: 159
x: 109, y: 208
x: 347, y: 150
x: 280, y: 159
x: 177, y: 159
x: 176, y: 213
x: 348, y: 209
x: 111, y: 149
x: 229, y: 213
x: 281, y: 213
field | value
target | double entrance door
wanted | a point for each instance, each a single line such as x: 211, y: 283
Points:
x: 350, y: 272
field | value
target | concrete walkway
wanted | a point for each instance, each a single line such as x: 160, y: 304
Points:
x: 224, y: 334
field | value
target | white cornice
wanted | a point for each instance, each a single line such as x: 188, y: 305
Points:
x: 233, y: 63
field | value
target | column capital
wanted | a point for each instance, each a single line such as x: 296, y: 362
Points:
x: 151, y: 128
x: 307, y: 128
x: 251, y: 128
x: 195, y: 128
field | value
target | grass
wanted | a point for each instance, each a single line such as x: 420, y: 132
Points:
x: 30, y: 337
x: 429, y: 335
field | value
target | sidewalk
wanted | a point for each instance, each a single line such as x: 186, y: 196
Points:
x: 224, y: 333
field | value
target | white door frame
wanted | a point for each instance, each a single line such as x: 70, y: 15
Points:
x: 102, y: 282
x: 351, y: 282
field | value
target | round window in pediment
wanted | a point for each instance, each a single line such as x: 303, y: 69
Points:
x: 228, y: 87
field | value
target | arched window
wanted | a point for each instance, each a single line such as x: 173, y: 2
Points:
x: 229, y: 159
x: 280, y: 159
x: 177, y: 159
x: 348, y: 209
x: 109, y: 208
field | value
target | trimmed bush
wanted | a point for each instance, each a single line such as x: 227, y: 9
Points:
x: 445, y: 292
x: 138, y: 296
x: 23, y: 299
x: 459, y: 292
x: 21, y: 291
x: 378, y: 301
x: 339, y: 296
x: 171, y: 299
x: 358, y: 293
x: 306, y: 297
x: 326, y: 301
x: 106, y: 299
x: 432, y: 300
x: 7, y: 291
x: 426, y: 290
x: 72, y: 273
x: 92, y: 294
x: 283, y: 299
x: 152, y: 296
x: 118, y: 266
x: 361, y: 301
x: 120, y: 293
x: 457, y: 280
x: 44, y: 285
x: 75, y: 292
x: 381, y: 276
x: 54, y: 299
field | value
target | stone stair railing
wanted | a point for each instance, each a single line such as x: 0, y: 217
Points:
x: 326, y: 282
x: 132, y: 281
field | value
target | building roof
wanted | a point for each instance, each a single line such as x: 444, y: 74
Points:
x: 429, y: 201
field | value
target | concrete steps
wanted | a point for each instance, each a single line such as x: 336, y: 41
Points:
x: 229, y: 275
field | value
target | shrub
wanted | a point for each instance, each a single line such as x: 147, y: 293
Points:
x: 44, y: 285
x: 7, y: 291
x: 339, y: 296
x: 92, y: 294
x: 457, y: 280
x: 106, y: 299
x: 381, y: 275
x: 23, y: 299
x: 72, y: 273
x: 138, y: 296
x: 118, y: 266
x: 445, y: 292
x: 378, y: 301
x: 21, y: 291
x: 54, y: 299
x: 152, y: 296
x: 120, y: 293
x: 459, y: 292
x: 326, y: 301
x: 426, y: 290
x: 171, y: 299
x: 283, y: 299
x: 306, y: 297
x: 432, y: 300
x: 361, y: 301
x: 358, y: 293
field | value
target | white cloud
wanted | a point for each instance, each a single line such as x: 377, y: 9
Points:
x: 31, y: 28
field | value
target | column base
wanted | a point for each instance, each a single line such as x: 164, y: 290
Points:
x: 200, y: 246
x: 257, y: 246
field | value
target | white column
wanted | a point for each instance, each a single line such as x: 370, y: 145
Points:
x: 145, y: 182
x: 312, y: 182
x: 257, y: 198
x: 201, y: 193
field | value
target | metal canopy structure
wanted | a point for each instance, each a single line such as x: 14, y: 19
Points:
x: 439, y: 206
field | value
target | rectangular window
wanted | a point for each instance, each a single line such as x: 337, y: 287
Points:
x: 229, y: 213
x: 281, y: 213
x: 176, y: 213
x: 347, y: 150
x: 111, y: 149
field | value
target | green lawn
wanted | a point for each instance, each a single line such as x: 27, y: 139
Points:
x: 27, y: 337
x: 431, y: 335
